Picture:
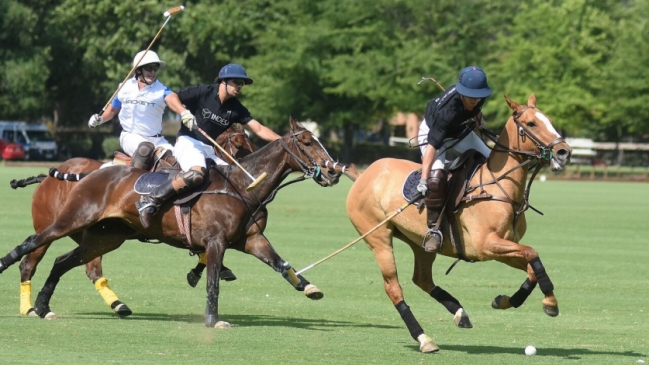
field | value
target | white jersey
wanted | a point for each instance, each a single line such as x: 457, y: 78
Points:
x: 141, y: 110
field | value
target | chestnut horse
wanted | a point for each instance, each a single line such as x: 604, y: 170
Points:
x: 55, y: 191
x: 491, y: 217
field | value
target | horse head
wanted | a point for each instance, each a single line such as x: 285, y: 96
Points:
x: 309, y: 156
x: 236, y: 142
x: 535, y: 132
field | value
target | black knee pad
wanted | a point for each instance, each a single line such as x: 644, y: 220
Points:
x: 193, y: 178
x: 143, y: 156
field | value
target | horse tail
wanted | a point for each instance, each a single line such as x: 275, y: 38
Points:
x: 15, y: 184
x: 66, y: 176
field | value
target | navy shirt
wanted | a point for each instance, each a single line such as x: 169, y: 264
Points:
x: 447, y: 118
x: 211, y: 116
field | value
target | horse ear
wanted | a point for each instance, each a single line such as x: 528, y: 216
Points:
x: 532, y: 101
x: 514, y: 106
x: 295, y: 124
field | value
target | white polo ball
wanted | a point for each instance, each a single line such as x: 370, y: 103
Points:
x: 530, y: 350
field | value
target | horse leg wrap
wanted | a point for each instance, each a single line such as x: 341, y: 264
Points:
x: 143, y: 156
x: 25, y: 297
x: 105, y: 291
x: 12, y: 257
x: 407, y: 316
x: 447, y: 300
x: 541, y: 276
x: 521, y: 295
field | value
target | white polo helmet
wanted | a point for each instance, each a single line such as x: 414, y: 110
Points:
x: 149, y: 58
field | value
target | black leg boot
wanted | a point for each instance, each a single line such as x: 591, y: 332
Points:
x: 435, y: 200
x: 148, y: 205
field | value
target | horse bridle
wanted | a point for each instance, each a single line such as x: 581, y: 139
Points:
x: 545, y: 154
x: 309, y: 171
x: 545, y: 149
x: 230, y: 145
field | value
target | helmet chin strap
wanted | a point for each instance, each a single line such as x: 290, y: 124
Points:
x: 227, y: 93
x: 140, y: 77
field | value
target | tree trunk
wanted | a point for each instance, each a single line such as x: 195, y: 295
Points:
x: 348, y: 144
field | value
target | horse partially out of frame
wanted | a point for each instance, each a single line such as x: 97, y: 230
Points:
x: 254, y: 242
x: 490, y: 217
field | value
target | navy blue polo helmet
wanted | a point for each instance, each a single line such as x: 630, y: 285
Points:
x: 473, y: 83
x: 234, y: 71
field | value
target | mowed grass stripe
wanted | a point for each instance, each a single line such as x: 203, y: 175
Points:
x: 592, y: 240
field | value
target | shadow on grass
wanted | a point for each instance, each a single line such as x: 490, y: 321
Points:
x: 240, y: 320
x: 566, y: 353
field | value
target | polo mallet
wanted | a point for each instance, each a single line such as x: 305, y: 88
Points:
x: 167, y: 14
x: 424, y: 78
x: 392, y: 215
x: 255, y: 182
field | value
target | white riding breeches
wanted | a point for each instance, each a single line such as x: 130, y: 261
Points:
x: 130, y: 141
x: 190, y: 152
x: 446, y: 153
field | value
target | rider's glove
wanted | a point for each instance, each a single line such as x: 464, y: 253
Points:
x: 189, y: 120
x: 422, y: 187
x: 95, y: 120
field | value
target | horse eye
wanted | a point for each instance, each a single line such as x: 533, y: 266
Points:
x: 531, y: 124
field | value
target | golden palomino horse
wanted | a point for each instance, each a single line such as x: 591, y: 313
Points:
x: 490, y: 218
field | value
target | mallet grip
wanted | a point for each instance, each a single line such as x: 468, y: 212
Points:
x: 175, y: 10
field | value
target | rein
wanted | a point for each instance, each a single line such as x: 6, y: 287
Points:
x: 545, y: 154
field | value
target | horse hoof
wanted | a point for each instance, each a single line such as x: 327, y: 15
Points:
x: 222, y: 325
x: 426, y: 344
x: 122, y: 310
x: 551, y: 311
x: 312, y: 292
x: 192, y: 278
x: 461, y: 319
x: 31, y: 313
x: 228, y: 275
x: 50, y: 316
x: 501, y: 302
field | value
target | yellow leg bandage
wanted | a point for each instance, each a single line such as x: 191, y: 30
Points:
x: 104, y: 290
x: 25, y: 297
x: 202, y: 258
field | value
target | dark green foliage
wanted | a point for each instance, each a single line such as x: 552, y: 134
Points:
x: 344, y: 64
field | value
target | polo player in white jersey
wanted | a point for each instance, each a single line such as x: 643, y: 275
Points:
x: 140, y: 105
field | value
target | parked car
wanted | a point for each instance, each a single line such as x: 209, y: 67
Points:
x: 36, y: 139
x: 11, y: 150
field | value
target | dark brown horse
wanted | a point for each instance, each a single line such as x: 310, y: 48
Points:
x: 491, y: 217
x: 55, y: 192
x: 107, y: 216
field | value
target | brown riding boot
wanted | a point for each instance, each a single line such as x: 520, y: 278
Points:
x: 148, y: 205
x: 434, y: 201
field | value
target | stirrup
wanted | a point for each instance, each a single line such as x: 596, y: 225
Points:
x: 140, y: 205
x: 429, y: 236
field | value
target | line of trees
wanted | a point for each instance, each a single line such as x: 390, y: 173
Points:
x: 345, y: 64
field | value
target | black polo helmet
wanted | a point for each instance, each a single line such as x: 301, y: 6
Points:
x: 473, y: 83
x: 233, y: 71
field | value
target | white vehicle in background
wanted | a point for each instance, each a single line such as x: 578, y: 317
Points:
x: 38, y: 142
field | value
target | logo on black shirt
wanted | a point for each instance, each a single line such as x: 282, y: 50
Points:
x: 208, y: 115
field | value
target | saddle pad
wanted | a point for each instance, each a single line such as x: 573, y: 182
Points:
x: 148, y: 181
x: 410, y: 186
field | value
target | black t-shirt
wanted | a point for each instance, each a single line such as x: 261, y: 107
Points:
x: 447, y: 117
x: 211, y: 116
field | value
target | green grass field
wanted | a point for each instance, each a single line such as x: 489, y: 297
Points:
x: 593, y: 240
